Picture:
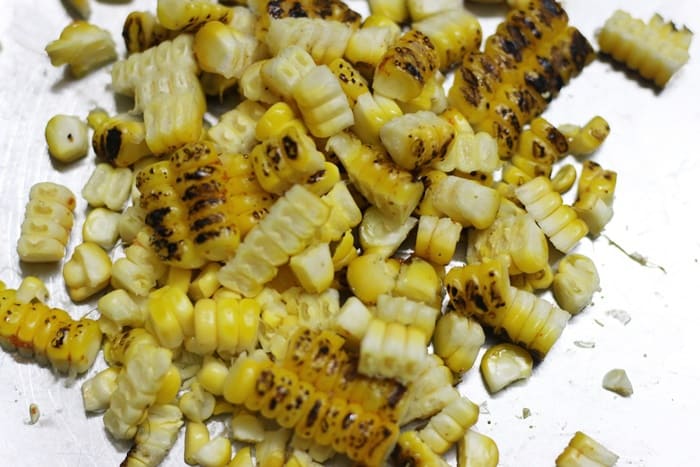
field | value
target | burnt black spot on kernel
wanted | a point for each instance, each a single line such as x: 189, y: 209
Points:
x: 112, y: 143
x: 312, y: 416
x: 200, y: 172
x: 60, y: 338
x: 348, y: 420
x: 208, y: 221
x: 290, y: 147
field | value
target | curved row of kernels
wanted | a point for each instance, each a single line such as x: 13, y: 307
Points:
x: 323, y: 40
x: 447, y: 426
x: 48, y: 219
x: 407, y: 312
x: 412, y: 450
x: 457, y: 340
x: 437, y: 238
x: 430, y: 391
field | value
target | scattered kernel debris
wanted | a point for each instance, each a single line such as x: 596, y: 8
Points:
x: 34, y: 414
x: 585, y: 344
x: 617, y: 381
x: 620, y: 315
x: 635, y: 256
x: 484, y: 408
x: 526, y: 413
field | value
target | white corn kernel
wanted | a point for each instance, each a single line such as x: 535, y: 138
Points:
x: 102, y: 227
x: 67, y: 138
x: 87, y: 272
x: 503, y: 364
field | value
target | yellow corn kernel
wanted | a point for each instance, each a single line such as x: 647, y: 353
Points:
x: 353, y: 320
x: 457, y: 340
x: 170, y: 386
x: 97, y: 390
x: 344, y: 212
x: 66, y: 137
x: 271, y: 451
x: 178, y: 278
x: 408, y: 312
x: 31, y: 288
x: 454, y: 32
x: 406, y: 67
x: 206, y: 282
x: 628, y: 40
x: 324, y: 40
x: 351, y: 81
x: 247, y: 428
x: 411, y: 450
x: 108, y: 187
x: 83, y: 47
x: 322, y: 103
x: 382, y: 234
x: 367, y: 45
x: 504, y: 364
x: 101, y: 227
x: 575, y: 282
x: 415, y: 140
x: 476, y: 450
x: 48, y: 219
x: 370, y: 276
x: 87, y: 272
x: 596, y: 191
x: 197, y: 404
x: 449, y: 425
x: 313, y: 268
x: 584, y: 450
x: 584, y: 141
x: 393, y: 190
x: 141, y: 31
x: 418, y: 280
x: 120, y: 140
x: 344, y: 251
x: 155, y: 436
x: 466, y: 201
x: 564, y: 179
x: 204, y: 339
x: 396, y: 10
x: 242, y: 458
x: 215, y: 453
x: 223, y: 50
x: 196, y: 436
x: 190, y: 14
x: 317, y: 452
x: 212, y: 375
x: 252, y: 87
x: 431, y: 98
x: 170, y: 316
x: 371, y: 112
x: 437, y: 238
x: 275, y: 119
x: 392, y: 350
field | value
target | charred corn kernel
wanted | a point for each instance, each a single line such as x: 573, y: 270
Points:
x: 108, y: 186
x: 252, y: 87
x: 83, y: 47
x: 558, y: 221
x: 411, y: 450
x: 287, y: 229
x: 382, y: 234
x: 476, y: 450
x: 275, y: 119
x: 406, y: 67
x: 67, y: 138
x: 322, y: 103
x: 121, y: 347
x: 564, y: 179
x: 351, y: 81
x: 196, y: 436
x: 87, y: 272
x: 331, y: 10
x: 141, y: 31
x: 454, y: 31
x: 418, y: 280
x: 30, y: 289
x: 392, y: 350
x: 414, y: 140
x: 391, y: 189
x: 170, y: 316
x: 313, y: 268
x: 449, y: 425
x: 513, y: 233
x: 344, y: 212
x: 371, y: 113
x: 457, y: 340
x: 286, y: 159
x: 101, y: 227
x: 131, y: 222
x: 321, y: 182
x: 120, y: 140
x: 197, y: 404
x: 575, y: 282
x: 436, y: 239
x: 367, y: 45
x: 48, y: 219
x: 247, y: 427
x: 584, y: 141
x: 466, y: 201
x: 155, y: 436
x: 98, y: 389
x: 284, y: 71
x: 583, y: 450
x: 596, y: 190
x: 137, y: 386
x: 628, y: 40
x: 353, y: 319
x: 190, y: 14
x: 242, y: 458
x: 271, y: 451
x: 539, y: 147
x: 223, y: 50
x: 323, y: 40
x: 138, y: 272
x: 524, y: 65
x: 215, y: 453
x: 396, y: 10
x: 206, y: 282
x: 408, y: 312
x: 504, y: 364
x: 235, y: 131
x: 371, y: 275
x: 473, y: 154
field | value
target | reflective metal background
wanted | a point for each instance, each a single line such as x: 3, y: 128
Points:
x: 653, y: 146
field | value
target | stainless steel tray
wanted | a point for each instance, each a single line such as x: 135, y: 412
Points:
x: 652, y: 146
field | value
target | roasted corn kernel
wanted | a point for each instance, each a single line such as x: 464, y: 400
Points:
x: 101, y: 227
x: 392, y: 350
x: 87, y: 272
x: 457, y: 340
x: 324, y: 40
x: 83, y: 47
x: 142, y: 31
x: 372, y: 112
x: 120, y: 140
x: 584, y: 450
x: 408, y: 312
x: 223, y: 50
x: 190, y: 14
x: 575, y: 282
x: 235, y: 130
x: 66, y: 137
x: 437, y: 238
x: 466, y: 201
x: 454, y: 31
x: 583, y: 141
x: 382, y: 234
x: 430, y: 391
x: 140, y: 269
x: 415, y: 140
x: 596, y: 191
x: 155, y: 436
x: 449, y: 425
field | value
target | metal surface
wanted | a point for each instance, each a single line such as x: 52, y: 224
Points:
x: 652, y: 147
